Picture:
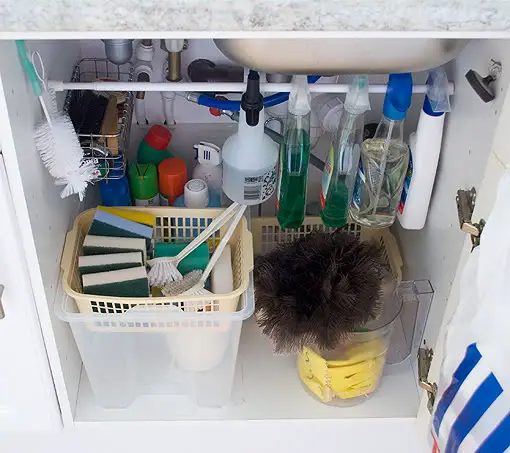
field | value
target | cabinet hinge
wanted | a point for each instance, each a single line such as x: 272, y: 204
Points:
x: 465, y: 205
x: 424, y: 360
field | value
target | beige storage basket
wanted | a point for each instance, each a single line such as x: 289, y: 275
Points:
x: 267, y: 234
x: 180, y: 224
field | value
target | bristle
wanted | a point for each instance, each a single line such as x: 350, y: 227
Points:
x: 317, y: 290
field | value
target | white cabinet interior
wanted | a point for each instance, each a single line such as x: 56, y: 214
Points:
x: 267, y: 387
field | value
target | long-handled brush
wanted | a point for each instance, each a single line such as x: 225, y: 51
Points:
x: 164, y: 269
x: 56, y: 140
x: 197, y: 281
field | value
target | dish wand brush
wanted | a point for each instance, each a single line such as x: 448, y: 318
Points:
x: 55, y: 137
x: 164, y: 269
x: 194, y: 285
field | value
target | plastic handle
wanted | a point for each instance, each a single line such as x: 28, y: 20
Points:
x: 221, y: 246
x: 29, y: 67
x: 214, y: 226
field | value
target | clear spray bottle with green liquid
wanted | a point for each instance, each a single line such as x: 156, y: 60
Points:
x: 294, y: 157
x: 340, y: 171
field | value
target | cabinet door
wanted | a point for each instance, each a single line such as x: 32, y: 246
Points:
x: 27, y: 394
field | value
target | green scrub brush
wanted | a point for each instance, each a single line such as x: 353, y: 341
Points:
x: 56, y: 140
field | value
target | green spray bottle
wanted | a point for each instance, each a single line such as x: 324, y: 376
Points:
x: 294, y: 156
x: 344, y: 154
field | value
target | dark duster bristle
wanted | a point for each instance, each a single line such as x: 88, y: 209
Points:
x: 316, y: 290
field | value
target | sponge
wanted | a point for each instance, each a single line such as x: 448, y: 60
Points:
x: 135, y: 216
x: 111, y: 262
x: 122, y: 283
x: 197, y: 259
x: 101, y: 245
x: 106, y: 224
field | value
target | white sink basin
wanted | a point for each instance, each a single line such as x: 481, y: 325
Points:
x: 339, y: 55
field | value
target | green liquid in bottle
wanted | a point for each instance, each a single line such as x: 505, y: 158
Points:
x: 294, y: 157
x: 336, y: 209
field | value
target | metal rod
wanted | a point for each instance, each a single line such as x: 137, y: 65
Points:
x: 216, y: 87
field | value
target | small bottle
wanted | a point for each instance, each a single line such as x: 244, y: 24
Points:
x: 143, y: 181
x: 172, y: 174
x: 250, y: 156
x: 344, y: 154
x: 384, y: 160
x: 153, y: 149
x: 209, y: 168
x: 294, y: 157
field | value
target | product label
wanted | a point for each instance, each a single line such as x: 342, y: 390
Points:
x: 407, y: 184
x: 360, y: 181
x: 259, y: 188
x: 163, y: 201
x: 326, y: 176
x: 154, y: 201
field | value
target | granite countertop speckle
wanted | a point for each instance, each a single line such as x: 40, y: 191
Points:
x: 254, y: 15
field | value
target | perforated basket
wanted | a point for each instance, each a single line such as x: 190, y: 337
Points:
x: 172, y: 224
x: 267, y: 234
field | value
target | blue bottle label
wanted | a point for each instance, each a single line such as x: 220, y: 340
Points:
x: 360, y: 180
x: 407, y: 184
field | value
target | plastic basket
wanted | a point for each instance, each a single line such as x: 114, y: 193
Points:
x: 172, y: 224
x: 267, y: 234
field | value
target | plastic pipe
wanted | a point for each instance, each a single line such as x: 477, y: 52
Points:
x: 59, y: 85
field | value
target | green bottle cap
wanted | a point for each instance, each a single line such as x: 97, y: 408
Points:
x: 143, y: 179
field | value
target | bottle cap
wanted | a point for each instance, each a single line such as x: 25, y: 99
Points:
x: 357, y: 100
x: 196, y: 194
x: 437, y: 100
x: 158, y: 137
x: 299, y: 97
x: 252, y: 102
x: 398, y: 96
x: 208, y: 154
x: 172, y: 178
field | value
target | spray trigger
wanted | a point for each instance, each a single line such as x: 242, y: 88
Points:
x: 207, y: 154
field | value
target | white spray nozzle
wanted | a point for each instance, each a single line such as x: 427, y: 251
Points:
x: 357, y: 99
x: 438, y: 91
x: 208, y: 154
x: 299, y: 97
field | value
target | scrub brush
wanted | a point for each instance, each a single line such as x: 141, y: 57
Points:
x: 316, y: 290
x: 56, y: 140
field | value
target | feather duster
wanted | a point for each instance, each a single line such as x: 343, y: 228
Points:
x: 316, y: 290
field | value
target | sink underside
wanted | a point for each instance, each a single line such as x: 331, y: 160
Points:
x: 337, y: 56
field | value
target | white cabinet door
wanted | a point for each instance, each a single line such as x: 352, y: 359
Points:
x: 27, y: 394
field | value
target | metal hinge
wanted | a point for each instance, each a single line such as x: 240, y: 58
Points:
x: 465, y: 205
x: 424, y: 360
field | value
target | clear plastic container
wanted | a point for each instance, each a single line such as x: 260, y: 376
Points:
x: 349, y: 374
x: 158, y: 350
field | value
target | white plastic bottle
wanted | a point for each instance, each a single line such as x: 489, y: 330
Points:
x: 425, y: 146
x: 209, y: 165
x: 250, y: 156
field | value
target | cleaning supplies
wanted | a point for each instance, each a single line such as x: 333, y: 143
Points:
x: 115, y: 192
x: 122, y: 283
x: 294, y: 156
x: 136, y: 216
x: 197, y: 259
x: 384, y: 160
x: 209, y: 166
x: 111, y: 262
x: 173, y: 175
x: 222, y: 280
x: 316, y: 290
x: 250, y: 156
x: 143, y: 181
x: 101, y: 245
x: 154, y: 147
x: 425, y: 145
x: 196, y: 194
x: 344, y: 154
x: 56, y: 140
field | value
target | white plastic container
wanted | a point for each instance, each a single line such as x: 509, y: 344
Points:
x: 152, y: 350
x: 209, y: 165
x: 249, y: 163
x: 328, y: 108
x: 425, y: 146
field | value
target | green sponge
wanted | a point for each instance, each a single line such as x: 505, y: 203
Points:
x: 197, y: 259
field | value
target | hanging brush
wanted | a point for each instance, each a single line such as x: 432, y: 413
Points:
x: 55, y: 137
x: 316, y: 290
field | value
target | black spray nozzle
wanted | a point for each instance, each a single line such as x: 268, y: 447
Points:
x: 252, y: 102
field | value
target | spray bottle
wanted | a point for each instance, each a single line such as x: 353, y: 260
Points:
x: 425, y: 145
x: 250, y: 156
x: 294, y: 156
x: 344, y: 154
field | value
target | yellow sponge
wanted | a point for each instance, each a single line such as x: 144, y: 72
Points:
x: 136, y: 216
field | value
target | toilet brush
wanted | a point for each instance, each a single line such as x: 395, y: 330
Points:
x: 316, y: 290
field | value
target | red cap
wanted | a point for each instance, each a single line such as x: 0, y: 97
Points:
x: 172, y: 178
x: 213, y: 110
x: 158, y: 137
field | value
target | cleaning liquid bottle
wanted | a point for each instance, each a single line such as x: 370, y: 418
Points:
x: 384, y: 160
x: 294, y: 156
x: 425, y: 146
x: 344, y: 154
x: 250, y: 156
